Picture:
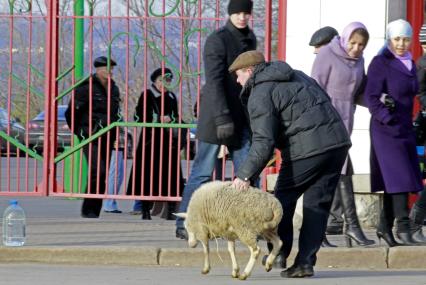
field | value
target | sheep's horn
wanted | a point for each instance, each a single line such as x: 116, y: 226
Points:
x: 181, y: 215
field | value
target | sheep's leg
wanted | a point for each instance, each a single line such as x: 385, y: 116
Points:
x: 206, y: 268
x: 276, y: 246
x: 254, y: 254
x: 235, y: 268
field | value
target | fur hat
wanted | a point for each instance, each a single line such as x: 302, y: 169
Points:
x: 246, y: 59
x: 323, y: 36
x: 422, y: 34
x: 103, y: 61
x: 159, y: 72
x: 238, y: 6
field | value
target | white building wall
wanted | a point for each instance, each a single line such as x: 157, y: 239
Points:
x: 304, y: 17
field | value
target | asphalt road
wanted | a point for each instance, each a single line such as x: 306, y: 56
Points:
x: 35, y: 274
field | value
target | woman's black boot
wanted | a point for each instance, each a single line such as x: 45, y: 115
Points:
x: 403, y: 232
x: 384, y: 230
x: 353, y: 230
x: 417, y: 217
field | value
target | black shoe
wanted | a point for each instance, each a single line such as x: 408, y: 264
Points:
x: 326, y: 243
x: 181, y: 233
x: 146, y: 215
x: 114, y: 211
x: 89, y: 216
x: 418, y: 236
x: 279, y: 262
x: 298, y: 271
x: 407, y: 239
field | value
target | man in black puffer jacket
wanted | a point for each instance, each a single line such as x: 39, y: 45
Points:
x: 103, y: 112
x: 289, y: 111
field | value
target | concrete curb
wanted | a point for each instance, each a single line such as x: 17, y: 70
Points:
x: 349, y: 258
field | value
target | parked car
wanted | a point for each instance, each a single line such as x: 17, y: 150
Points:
x: 64, y: 135
x: 16, y: 131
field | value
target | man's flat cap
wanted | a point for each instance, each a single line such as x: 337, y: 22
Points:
x: 323, y: 36
x: 158, y: 72
x: 246, y: 59
x: 103, y: 61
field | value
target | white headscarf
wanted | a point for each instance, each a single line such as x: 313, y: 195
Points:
x: 399, y: 28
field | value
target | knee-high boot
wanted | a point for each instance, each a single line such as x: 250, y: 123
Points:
x: 417, y: 217
x: 384, y: 229
x: 403, y: 232
x: 353, y: 230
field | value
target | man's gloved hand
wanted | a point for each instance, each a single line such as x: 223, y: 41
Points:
x: 225, y: 131
x: 389, y: 103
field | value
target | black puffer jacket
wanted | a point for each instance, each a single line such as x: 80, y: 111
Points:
x: 289, y: 111
x: 219, y: 101
x: 421, y: 77
x: 99, y: 116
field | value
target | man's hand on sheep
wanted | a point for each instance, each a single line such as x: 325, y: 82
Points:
x: 240, y: 184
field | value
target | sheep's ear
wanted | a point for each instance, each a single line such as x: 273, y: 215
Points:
x: 181, y: 215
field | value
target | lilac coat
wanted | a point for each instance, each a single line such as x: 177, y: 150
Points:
x: 341, y: 77
x: 393, y: 161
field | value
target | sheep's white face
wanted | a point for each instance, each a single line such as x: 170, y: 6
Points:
x: 192, y: 240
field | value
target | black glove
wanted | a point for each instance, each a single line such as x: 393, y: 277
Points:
x: 225, y: 131
x: 389, y: 103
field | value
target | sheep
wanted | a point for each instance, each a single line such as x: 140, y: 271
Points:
x: 217, y: 209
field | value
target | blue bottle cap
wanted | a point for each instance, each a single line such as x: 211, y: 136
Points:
x: 13, y: 202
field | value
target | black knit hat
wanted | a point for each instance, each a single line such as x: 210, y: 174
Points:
x: 422, y: 34
x: 323, y: 36
x: 238, y: 6
x: 103, y: 61
x: 158, y: 72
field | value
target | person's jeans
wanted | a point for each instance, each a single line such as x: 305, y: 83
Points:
x: 204, y: 164
x: 137, y: 206
x: 116, y: 165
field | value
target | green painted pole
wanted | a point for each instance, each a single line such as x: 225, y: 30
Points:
x: 76, y: 161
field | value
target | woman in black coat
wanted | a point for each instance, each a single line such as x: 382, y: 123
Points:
x: 156, y: 167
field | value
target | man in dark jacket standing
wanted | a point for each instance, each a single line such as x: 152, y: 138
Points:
x: 289, y: 111
x: 221, y: 118
x: 85, y: 121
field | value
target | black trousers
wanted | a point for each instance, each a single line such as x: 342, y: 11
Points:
x: 316, y: 177
x: 97, y: 174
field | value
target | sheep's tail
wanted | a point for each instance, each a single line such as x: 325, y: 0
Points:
x: 277, y: 211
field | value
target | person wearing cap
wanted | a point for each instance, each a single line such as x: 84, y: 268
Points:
x: 289, y: 111
x: 221, y: 119
x: 418, y: 211
x: 339, y: 70
x: 319, y: 39
x: 95, y: 105
x: 157, y: 154
x: 421, y: 68
x: 394, y: 165
x: 322, y: 37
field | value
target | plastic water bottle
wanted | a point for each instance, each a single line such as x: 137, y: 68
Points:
x: 14, y: 225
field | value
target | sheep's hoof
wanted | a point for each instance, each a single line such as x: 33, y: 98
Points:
x: 243, y: 276
x: 268, y: 267
x: 205, y: 271
x: 235, y: 273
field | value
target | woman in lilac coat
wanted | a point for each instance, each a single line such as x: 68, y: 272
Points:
x: 339, y: 70
x: 391, y: 88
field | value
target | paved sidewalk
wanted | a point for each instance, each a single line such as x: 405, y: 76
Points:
x: 57, y: 234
